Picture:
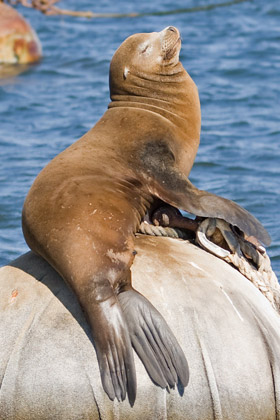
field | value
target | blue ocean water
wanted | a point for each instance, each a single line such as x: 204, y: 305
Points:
x: 233, y: 54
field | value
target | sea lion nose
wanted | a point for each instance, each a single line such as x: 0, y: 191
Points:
x: 168, y: 29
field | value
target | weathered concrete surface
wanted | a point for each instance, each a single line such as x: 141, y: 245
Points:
x: 19, y: 43
x: 228, y: 330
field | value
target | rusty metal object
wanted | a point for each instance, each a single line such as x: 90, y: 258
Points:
x: 246, y: 254
x: 168, y: 216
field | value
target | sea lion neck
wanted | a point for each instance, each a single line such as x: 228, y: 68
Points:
x: 162, y: 108
x: 171, y: 95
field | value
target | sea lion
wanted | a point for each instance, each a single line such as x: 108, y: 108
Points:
x: 83, y: 210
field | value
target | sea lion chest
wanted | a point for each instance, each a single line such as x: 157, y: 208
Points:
x: 118, y: 148
x: 134, y: 134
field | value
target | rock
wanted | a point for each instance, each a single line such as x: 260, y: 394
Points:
x: 226, y: 327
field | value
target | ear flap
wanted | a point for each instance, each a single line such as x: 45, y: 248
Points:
x: 125, y: 73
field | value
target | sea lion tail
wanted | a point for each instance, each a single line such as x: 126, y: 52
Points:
x: 154, y: 341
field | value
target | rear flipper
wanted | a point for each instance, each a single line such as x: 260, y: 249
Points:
x: 113, y: 349
x: 154, y: 341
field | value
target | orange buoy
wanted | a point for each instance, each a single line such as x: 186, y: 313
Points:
x: 18, y: 41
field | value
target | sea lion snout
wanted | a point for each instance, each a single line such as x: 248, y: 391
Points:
x: 172, y: 28
x: 174, y: 31
x: 170, y: 43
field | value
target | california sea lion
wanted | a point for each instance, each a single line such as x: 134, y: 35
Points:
x: 84, y: 208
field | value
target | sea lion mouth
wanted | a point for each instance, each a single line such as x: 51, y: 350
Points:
x: 171, y: 42
x: 172, y: 50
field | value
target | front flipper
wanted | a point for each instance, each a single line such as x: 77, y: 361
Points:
x: 203, y: 203
x: 114, y: 350
x: 167, y: 183
x: 154, y: 341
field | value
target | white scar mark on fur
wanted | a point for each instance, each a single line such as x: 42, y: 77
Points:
x: 231, y: 302
x: 196, y: 266
x: 117, y: 257
x: 112, y: 275
x: 125, y: 73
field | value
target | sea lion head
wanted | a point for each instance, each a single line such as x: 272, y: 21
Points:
x: 145, y: 56
x: 146, y: 74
